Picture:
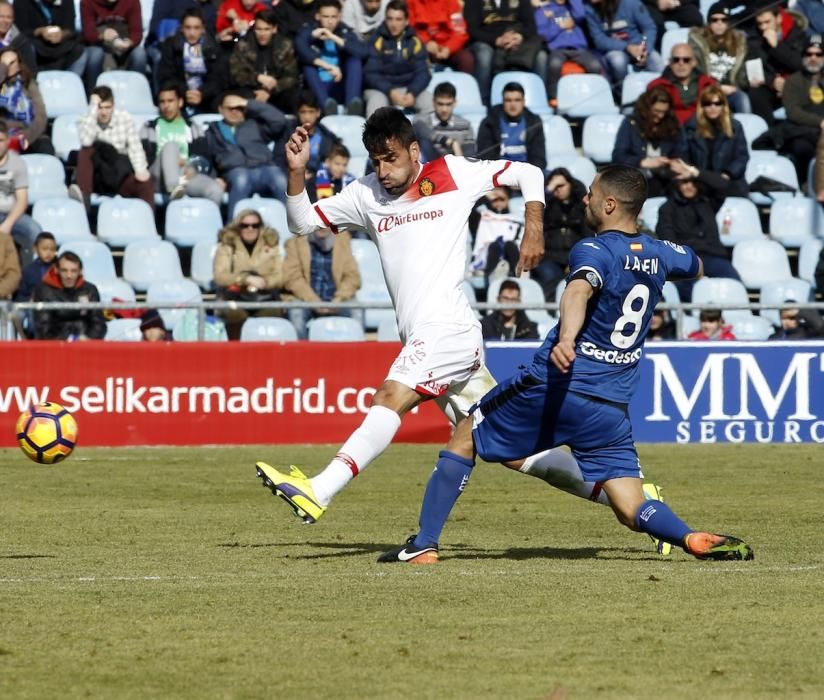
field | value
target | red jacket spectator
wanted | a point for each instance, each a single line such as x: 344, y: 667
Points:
x: 240, y: 12
x: 683, y: 110
x: 440, y: 21
x: 96, y: 12
x: 725, y: 333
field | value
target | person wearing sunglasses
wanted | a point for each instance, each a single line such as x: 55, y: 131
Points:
x: 683, y: 81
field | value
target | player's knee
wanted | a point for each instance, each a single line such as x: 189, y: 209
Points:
x: 461, y: 441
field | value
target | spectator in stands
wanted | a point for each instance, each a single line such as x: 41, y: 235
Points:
x: 21, y: 105
x: 293, y: 15
x: 9, y: 268
x: 779, y: 44
x: 495, y: 229
x: 113, y: 30
x: 688, y: 218
x: 720, y: 52
x: 63, y: 282
x: 798, y: 324
x: 248, y: 267
x: 441, y: 131
x: 364, y: 16
x: 661, y: 326
x: 397, y: 72
x: 167, y: 16
x: 111, y: 159
x: 818, y: 172
x: 683, y: 81
x: 333, y: 175
x: 234, y: 20
x: 440, y: 25
x: 713, y: 327
x: 239, y: 147
x: 265, y: 66
x: 152, y: 327
x: 170, y: 141
x: 651, y: 139
x: 192, y: 57
x: 684, y: 13
x: 50, y: 26
x: 625, y: 34
x: 14, y: 198
x: 45, y: 248
x: 716, y: 148
x: 511, y: 131
x: 509, y: 324
x: 321, y: 138
x: 502, y: 36
x: 11, y: 37
x: 319, y: 268
x: 332, y: 57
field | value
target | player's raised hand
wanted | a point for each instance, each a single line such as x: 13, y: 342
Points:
x: 297, y: 149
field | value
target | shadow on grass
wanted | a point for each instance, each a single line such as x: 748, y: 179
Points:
x: 28, y: 556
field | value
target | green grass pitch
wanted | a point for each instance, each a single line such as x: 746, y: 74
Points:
x: 170, y: 573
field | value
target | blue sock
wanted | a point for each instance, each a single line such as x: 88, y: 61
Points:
x: 657, y: 519
x: 445, y: 485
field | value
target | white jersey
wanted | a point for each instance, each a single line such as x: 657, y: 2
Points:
x: 422, y: 234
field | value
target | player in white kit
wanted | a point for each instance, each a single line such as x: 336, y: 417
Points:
x: 417, y: 216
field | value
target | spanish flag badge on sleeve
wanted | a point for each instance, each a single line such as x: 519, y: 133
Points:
x: 636, y: 247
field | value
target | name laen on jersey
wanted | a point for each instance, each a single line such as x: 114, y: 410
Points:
x: 635, y: 264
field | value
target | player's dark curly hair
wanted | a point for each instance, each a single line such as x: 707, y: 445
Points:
x: 387, y: 123
x: 628, y: 185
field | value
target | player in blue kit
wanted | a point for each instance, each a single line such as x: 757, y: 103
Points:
x: 577, y: 390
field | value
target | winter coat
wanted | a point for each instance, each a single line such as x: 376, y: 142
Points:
x: 735, y: 75
x: 725, y: 333
x: 170, y: 68
x: 39, y: 121
x: 690, y: 222
x: 223, y: 22
x: 327, y: 138
x: 683, y: 110
x: 278, y: 59
x: 565, y: 224
x: 486, y: 21
x: 9, y: 267
x: 173, y: 10
x: 631, y: 24
x: 396, y: 63
x: 440, y: 21
x: 297, y: 274
x: 785, y: 57
x: 32, y: 276
x: 800, y: 108
x: 489, y: 137
x: 546, y: 24
x: 233, y: 262
x: 631, y: 145
x: 61, y: 325
x: 292, y: 15
x: 492, y: 327
x: 29, y: 15
x: 308, y: 48
x: 721, y: 154
x: 97, y: 14
x: 263, y: 123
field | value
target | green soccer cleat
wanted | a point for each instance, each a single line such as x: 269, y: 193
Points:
x: 653, y: 493
x: 295, y: 489
x: 705, y: 545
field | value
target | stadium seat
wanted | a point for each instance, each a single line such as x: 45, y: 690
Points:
x: 192, y: 219
x: 131, y: 91
x: 580, y: 167
x: 517, y: 208
x: 121, y: 220
x: 388, y: 331
x: 98, y: 263
x: 349, y: 129
x: 649, y: 212
x: 357, y: 165
x: 770, y: 165
x: 369, y: 262
x: 544, y: 327
x: 753, y: 328
x: 779, y: 291
x: 179, y: 291
x: 794, y: 220
x: 145, y: 262
x: 64, y: 217
x: 115, y: 288
x: 808, y: 255
x: 531, y: 292
x: 202, y: 264
x: 206, y: 118
x: 64, y: 136
x: 719, y: 291
x: 273, y: 213
x: 124, y: 330
x: 670, y: 293
x: 634, y: 85
x: 760, y: 261
x: 186, y: 329
x: 63, y: 93
x: 753, y: 126
x: 468, y: 98
x: 267, y: 329
x: 557, y: 136
x: 335, y: 329
x: 689, y: 324
x: 584, y: 95
x: 375, y: 294
x: 672, y: 37
x: 47, y: 178
x: 744, y: 222
x: 599, y: 136
x: 534, y: 90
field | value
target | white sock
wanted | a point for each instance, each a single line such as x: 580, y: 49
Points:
x: 560, y: 469
x: 373, y: 436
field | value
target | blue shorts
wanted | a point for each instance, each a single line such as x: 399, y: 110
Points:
x: 524, y: 416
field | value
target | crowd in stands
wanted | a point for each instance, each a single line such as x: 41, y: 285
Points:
x: 723, y: 83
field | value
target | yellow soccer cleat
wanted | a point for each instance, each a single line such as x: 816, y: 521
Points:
x: 294, y: 488
x: 653, y: 493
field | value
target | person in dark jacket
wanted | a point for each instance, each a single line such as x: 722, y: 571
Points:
x: 64, y: 283
x: 798, y: 324
x: 511, y: 131
x: 397, y: 71
x: 321, y: 138
x: 238, y: 147
x: 264, y: 64
x: 650, y: 140
x: 50, y: 27
x: 12, y: 37
x: 509, y: 324
x: 331, y: 56
x: 683, y: 81
x: 688, y: 218
x: 293, y: 15
x: 193, y: 58
x: 45, y: 248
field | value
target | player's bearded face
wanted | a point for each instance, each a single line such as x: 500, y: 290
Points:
x: 396, y: 167
x: 592, y: 201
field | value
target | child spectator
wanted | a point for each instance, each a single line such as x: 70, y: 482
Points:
x: 152, y: 328
x: 45, y: 248
x: 713, y: 327
x: 333, y: 175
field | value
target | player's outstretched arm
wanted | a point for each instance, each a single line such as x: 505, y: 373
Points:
x: 573, y: 312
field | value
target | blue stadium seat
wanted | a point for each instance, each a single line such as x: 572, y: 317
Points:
x: 557, y: 136
x: 192, y: 219
x: 376, y: 294
x: 779, y: 291
x: 124, y: 330
x: 468, y: 97
x: 178, y: 291
x: 202, y: 264
x: 267, y: 329
x: 47, y: 178
x: 64, y: 217
x: 531, y: 292
x: 63, y: 93
x: 115, y: 288
x: 672, y: 37
x: 388, y: 331
x: 753, y: 328
x: 721, y: 290
x: 744, y: 222
x: 335, y: 329
x: 64, y: 136
x: 544, y: 327
x: 131, y: 91
x: 273, y: 213
x: 534, y: 90
x: 98, y: 263
x: 794, y: 220
x: 369, y: 262
x: 753, y: 126
x: 580, y: 167
x: 599, y: 136
x: 634, y: 85
x: 760, y: 261
x: 357, y: 165
x: 121, y: 220
x: 649, y: 212
x: 349, y: 129
x: 770, y: 165
x: 148, y: 261
x: 670, y: 293
x: 808, y: 255
x: 584, y: 95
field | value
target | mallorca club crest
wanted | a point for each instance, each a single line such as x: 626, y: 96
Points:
x: 426, y: 187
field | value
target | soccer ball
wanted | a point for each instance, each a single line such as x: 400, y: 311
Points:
x: 47, y: 433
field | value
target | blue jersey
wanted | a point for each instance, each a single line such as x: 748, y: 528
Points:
x: 628, y: 272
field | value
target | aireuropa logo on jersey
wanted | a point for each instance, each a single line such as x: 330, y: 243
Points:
x: 387, y: 223
x: 731, y: 392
